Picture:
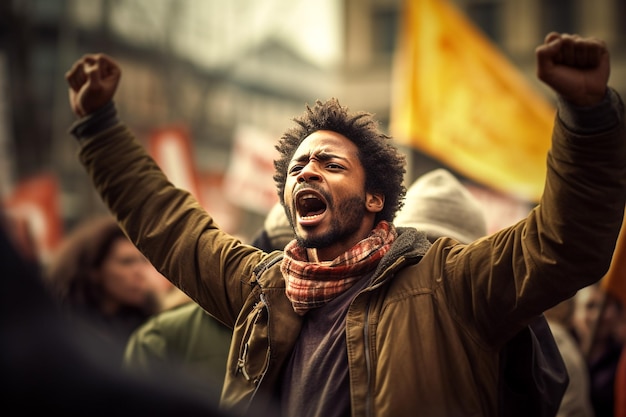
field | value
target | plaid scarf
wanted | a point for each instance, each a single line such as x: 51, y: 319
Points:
x: 310, y: 285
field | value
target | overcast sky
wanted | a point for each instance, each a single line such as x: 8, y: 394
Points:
x: 216, y: 32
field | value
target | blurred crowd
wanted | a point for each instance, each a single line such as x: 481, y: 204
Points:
x: 99, y: 316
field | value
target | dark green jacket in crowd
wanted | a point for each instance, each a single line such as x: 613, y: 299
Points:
x: 184, y: 338
x: 423, y: 337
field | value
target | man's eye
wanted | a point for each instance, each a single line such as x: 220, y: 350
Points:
x: 334, y: 166
x: 295, y: 168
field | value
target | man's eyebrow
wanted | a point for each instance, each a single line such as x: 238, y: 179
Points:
x: 322, y: 156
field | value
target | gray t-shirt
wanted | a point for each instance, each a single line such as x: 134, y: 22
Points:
x: 315, y: 382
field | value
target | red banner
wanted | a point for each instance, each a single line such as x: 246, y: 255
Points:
x: 34, y: 213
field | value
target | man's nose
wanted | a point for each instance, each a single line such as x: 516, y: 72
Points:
x: 308, y: 174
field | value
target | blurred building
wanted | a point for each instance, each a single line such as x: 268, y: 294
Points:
x: 230, y: 75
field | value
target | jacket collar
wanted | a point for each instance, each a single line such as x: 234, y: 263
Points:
x: 408, y: 248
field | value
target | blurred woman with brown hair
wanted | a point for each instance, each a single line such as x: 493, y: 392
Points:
x: 100, y: 279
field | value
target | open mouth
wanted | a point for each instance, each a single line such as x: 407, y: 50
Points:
x: 309, y: 204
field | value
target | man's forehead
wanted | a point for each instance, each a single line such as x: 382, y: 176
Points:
x: 325, y: 141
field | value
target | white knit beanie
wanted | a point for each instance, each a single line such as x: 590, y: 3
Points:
x: 438, y: 204
x: 277, y: 227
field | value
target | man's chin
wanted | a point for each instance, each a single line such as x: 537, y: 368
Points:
x: 314, y: 242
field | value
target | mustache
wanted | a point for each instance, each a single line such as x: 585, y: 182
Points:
x: 313, y: 187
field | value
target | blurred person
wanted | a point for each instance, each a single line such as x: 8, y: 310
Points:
x: 276, y: 231
x: 166, y: 294
x: 576, y: 401
x: 100, y: 279
x: 51, y: 365
x: 598, y: 317
x: 620, y: 385
x: 614, y: 283
x: 438, y: 204
x: 534, y: 377
x: 355, y: 317
x: 187, y: 336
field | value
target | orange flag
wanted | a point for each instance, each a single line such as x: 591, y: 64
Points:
x: 34, y: 209
x: 614, y: 282
x: 457, y: 99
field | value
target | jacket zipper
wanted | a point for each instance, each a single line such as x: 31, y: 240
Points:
x: 269, y: 348
x: 368, y: 359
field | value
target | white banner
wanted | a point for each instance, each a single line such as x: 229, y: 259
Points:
x: 249, y: 181
x: 172, y: 150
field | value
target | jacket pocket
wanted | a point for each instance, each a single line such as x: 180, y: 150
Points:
x: 254, y: 351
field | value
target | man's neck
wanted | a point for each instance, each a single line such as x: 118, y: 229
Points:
x: 312, y: 255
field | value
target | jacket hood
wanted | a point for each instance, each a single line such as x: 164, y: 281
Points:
x: 408, y: 248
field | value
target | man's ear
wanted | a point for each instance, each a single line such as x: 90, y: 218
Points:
x: 374, y: 202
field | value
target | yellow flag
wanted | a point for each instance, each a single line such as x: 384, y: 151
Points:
x: 459, y: 100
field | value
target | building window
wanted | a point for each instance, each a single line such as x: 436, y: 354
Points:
x: 559, y: 16
x: 385, y: 27
x: 486, y: 15
x: 620, y: 18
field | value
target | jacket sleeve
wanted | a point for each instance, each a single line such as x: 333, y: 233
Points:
x: 166, y: 223
x: 498, y: 283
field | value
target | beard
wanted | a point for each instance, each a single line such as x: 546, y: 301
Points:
x: 342, y: 228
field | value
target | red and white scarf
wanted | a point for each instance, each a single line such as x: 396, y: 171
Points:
x: 310, y: 284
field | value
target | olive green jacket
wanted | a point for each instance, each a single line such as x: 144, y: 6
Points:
x: 423, y: 338
x: 183, y: 337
